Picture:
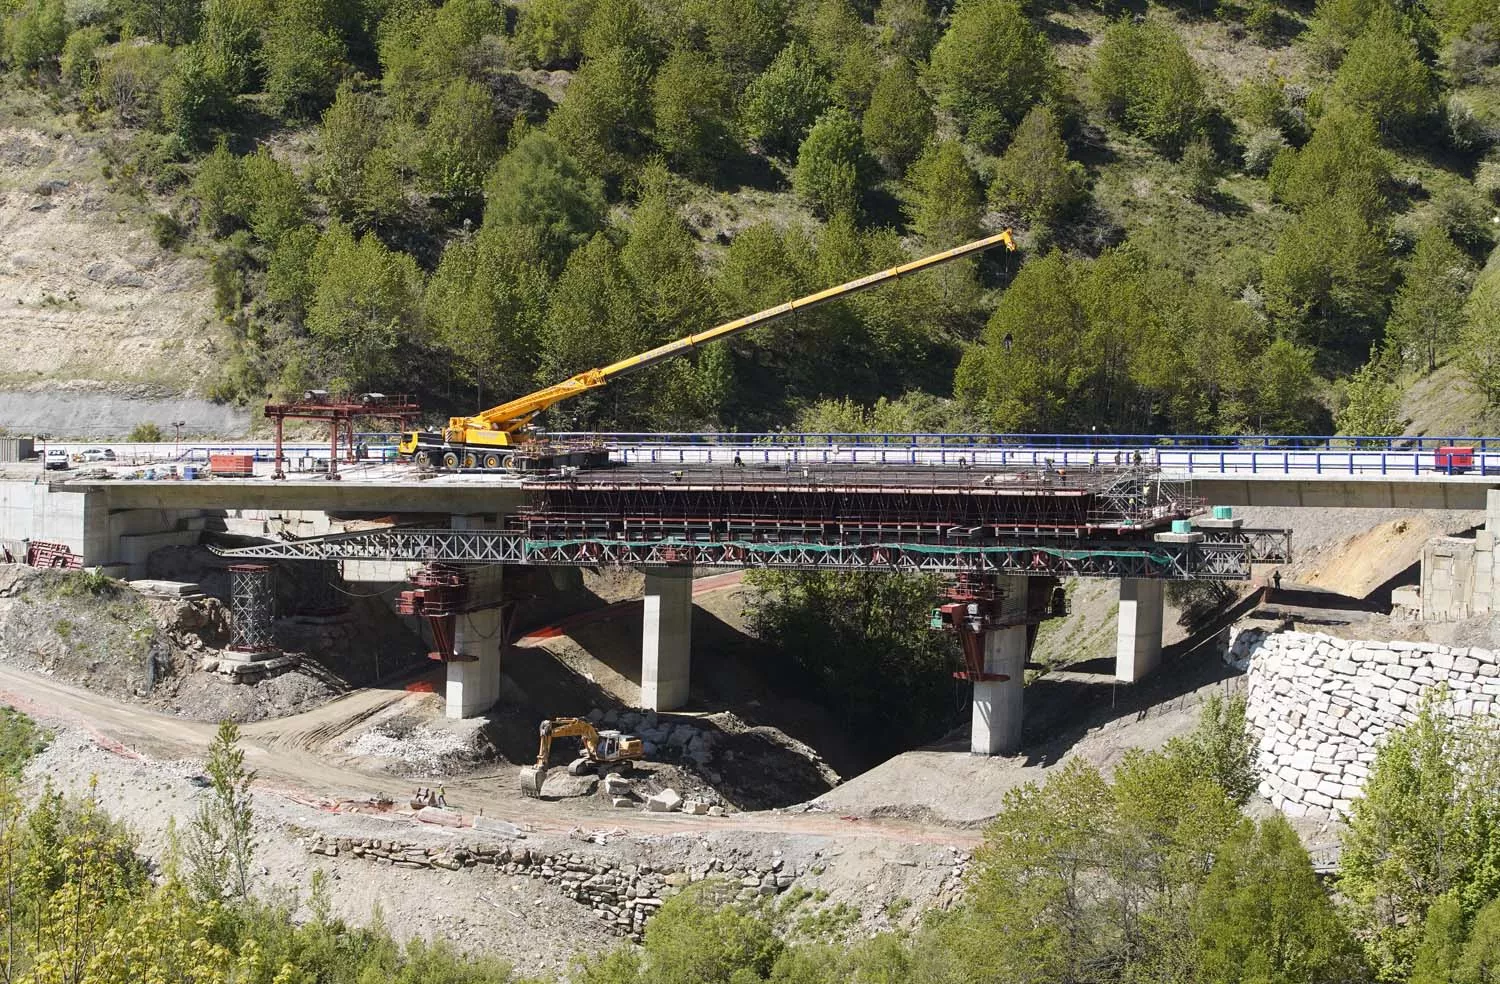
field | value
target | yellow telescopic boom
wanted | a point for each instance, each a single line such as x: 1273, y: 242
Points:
x: 495, y: 426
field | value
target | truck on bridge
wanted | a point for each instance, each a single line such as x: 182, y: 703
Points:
x: 498, y: 438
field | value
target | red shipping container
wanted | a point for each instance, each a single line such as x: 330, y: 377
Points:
x: 1454, y: 459
x: 232, y: 465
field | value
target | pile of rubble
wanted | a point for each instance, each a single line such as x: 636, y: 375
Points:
x: 624, y: 896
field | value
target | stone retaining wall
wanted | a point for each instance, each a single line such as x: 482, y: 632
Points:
x: 624, y: 896
x: 1320, y: 706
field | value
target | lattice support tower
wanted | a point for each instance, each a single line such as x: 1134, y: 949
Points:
x: 252, y: 606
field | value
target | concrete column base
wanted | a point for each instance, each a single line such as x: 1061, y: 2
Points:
x: 474, y: 686
x: 1138, y: 644
x: 666, y: 638
x: 996, y: 728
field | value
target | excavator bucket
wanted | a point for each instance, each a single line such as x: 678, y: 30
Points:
x: 531, y: 781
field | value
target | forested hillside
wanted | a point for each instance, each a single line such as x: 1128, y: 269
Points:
x: 1249, y: 216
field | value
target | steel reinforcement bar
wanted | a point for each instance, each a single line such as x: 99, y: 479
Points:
x: 1220, y: 555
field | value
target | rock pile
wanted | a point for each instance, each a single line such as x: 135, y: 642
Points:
x: 1320, y: 706
x: 624, y: 896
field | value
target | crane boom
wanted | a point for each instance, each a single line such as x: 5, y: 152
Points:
x: 498, y: 426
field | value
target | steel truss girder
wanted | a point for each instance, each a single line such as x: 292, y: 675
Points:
x: 1222, y: 555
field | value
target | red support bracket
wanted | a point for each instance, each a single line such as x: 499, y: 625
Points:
x: 438, y: 594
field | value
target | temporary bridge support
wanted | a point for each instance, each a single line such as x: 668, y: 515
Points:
x: 666, y: 637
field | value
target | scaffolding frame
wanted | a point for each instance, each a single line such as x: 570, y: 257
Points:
x: 340, y: 412
x: 252, y: 607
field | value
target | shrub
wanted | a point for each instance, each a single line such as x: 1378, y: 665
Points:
x: 1261, y: 150
x: 145, y: 433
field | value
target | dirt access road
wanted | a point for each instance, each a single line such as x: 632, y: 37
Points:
x: 288, y: 768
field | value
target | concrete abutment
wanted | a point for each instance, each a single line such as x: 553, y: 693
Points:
x: 473, y: 683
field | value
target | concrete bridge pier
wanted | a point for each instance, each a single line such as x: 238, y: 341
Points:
x: 1138, y: 642
x: 996, y: 725
x: 996, y: 728
x: 666, y: 637
x: 473, y: 685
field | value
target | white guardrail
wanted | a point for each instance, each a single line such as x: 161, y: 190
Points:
x: 1303, y: 464
x: 1225, y: 461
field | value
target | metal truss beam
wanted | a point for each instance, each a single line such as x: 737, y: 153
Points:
x: 1221, y: 555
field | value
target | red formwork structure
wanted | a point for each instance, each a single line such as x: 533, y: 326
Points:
x: 972, y: 608
x: 340, y: 411
x: 438, y: 594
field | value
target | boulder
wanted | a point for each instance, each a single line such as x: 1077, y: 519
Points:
x: 560, y: 785
x: 666, y: 801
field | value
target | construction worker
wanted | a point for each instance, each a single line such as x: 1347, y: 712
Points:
x: 738, y: 463
x: 1276, y: 580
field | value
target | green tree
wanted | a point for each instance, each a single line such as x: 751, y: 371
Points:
x: 276, y: 199
x: 698, y: 937
x: 460, y: 145
x: 550, y: 32
x: 833, y: 171
x: 592, y: 320
x: 1427, y: 315
x: 1420, y: 832
x: 485, y: 304
x: 1480, y: 963
x: 605, y: 117
x: 1262, y: 915
x: 781, y: 104
x: 539, y: 186
x: 826, y: 626
x: 1371, y: 403
x: 231, y: 41
x: 1145, y: 77
x: 1384, y: 78
x: 35, y: 33
x: 365, y: 307
x: 744, y: 36
x: 907, y: 27
x: 1330, y: 273
x: 1342, y: 158
x: 171, y: 22
x: 1438, y: 955
x: 194, y: 100
x: 79, y: 65
x: 355, y: 171
x: 943, y: 198
x: 221, y: 839
x: 1027, y: 384
x: 1034, y: 175
x: 1284, y: 398
x: 899, y: 120
x: 990, y: 67
x: 1479, y: 341
x: 219, y: 190
x: 691, y: 105
x: 304, y: 59
x: 1201, y: 168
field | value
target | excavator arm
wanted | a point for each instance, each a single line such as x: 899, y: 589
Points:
x: 495, y: 426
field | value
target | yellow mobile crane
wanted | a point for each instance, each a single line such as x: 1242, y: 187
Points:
x: 497, y: 438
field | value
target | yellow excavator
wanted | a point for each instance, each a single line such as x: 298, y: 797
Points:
x: 599, y: 748
x: 498, y: 438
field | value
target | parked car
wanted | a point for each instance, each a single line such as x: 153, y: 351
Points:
x: 56, y: 458
x: 97, y: 454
